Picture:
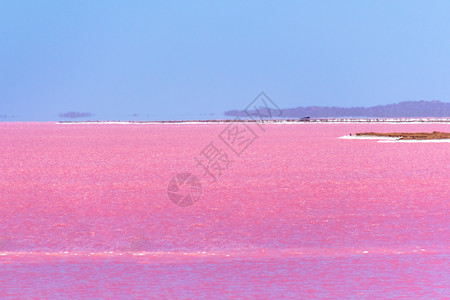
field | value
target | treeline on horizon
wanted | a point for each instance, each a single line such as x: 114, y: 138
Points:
x: 407, y: 109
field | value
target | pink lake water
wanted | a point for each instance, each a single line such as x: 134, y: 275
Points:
x: 300, y: 213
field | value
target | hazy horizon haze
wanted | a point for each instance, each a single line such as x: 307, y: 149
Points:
x: 178, y: 60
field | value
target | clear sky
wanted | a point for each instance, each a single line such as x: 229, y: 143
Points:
x: 183, y: 59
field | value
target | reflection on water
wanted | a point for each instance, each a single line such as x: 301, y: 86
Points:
x: 412, y: 276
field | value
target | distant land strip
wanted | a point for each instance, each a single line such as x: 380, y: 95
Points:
x: 407, y: 109
x: 435, y: 135
x: 75, y: 114
x: 300, y: 120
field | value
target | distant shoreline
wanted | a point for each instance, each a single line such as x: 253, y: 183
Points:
x: 435, y: 135
x: 276, y: 121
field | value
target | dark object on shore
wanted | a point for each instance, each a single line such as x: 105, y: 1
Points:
x: 435, y: 135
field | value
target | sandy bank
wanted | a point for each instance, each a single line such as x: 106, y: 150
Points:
x: 435, y: 135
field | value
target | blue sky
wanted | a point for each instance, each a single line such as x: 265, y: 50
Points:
x: 185, y: 59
